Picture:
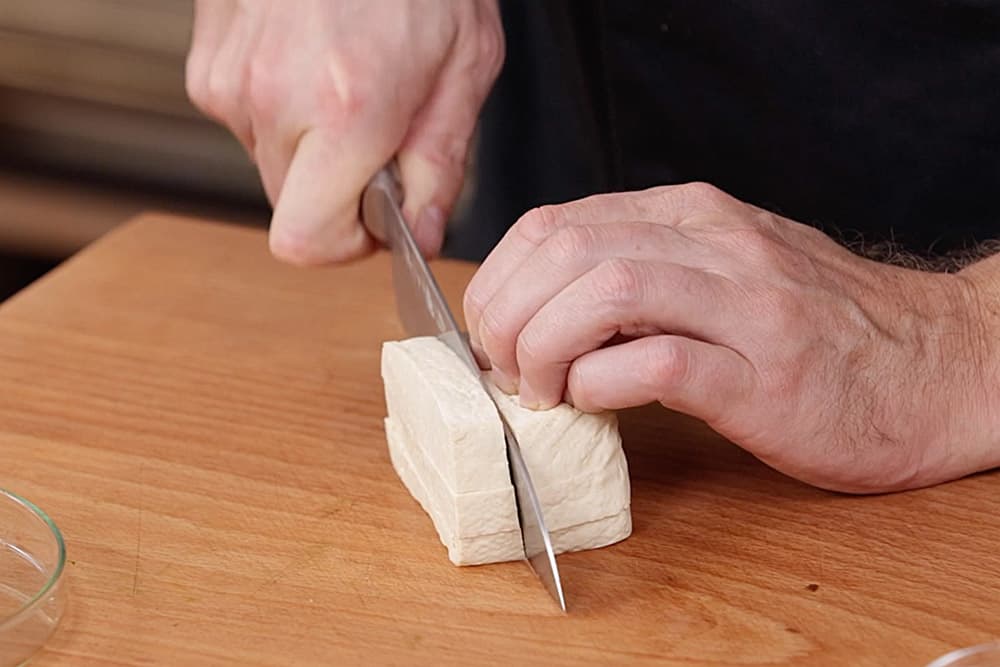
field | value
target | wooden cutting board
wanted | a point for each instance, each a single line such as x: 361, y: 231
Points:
x: 206, y: 427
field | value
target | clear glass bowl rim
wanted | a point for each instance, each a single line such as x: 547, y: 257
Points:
x: 967, y: 652
x: 39, y: 597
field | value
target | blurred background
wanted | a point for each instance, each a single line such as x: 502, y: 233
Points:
x: 95, y: 127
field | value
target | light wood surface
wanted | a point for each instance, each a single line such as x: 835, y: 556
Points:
x: 206, y: 427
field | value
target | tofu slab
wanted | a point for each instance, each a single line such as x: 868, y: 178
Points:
x: 446, y: 443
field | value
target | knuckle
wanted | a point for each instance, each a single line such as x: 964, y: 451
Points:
x: 619, y: 282
x: 568, y: 245
x: 580, y: 389
x: 448, y: 151
x: 194, y: 82
x: 703, y: 193
x: 493, y: 336
x: 217, y: 94
x: 767, y: 221
x: 667, y: 365
x: 529, y: 350
x: 539, y: 223
x: 651, y: 202
x: 473, y: 304
x: 491, y: 50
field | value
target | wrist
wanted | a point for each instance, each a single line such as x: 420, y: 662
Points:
x: 979, y: 307
x: 949, y: 409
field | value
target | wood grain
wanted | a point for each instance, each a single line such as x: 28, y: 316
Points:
x: 205, y: 426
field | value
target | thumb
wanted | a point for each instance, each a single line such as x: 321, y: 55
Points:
x: 432, y: 159
x: 707, y: 381
x: 316, y: 220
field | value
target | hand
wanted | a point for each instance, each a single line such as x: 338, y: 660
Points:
x: 323, y: 93
x: 843, y: 372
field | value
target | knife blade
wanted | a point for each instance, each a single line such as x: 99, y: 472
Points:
x: 424, y: 311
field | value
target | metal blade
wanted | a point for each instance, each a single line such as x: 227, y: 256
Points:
x: 534, y: 535
x: 424, y: 311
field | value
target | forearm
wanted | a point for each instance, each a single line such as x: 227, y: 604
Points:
x: 947, y: 402
x: 982, y: 278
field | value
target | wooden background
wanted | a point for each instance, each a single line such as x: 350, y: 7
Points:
x: 205, y: 426
x: 95, y: 126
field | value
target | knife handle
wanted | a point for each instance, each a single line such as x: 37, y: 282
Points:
x: 385, y: 184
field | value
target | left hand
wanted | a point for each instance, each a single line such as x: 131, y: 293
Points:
x: 843, y: 372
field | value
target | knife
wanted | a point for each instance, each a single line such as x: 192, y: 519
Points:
x: 424, y: 311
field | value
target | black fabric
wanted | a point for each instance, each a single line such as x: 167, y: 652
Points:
x: 879, y: 118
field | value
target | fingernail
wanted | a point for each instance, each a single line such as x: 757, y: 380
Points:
x: 429, y: 230
x: 528, y: 398
x: 568, y: 396
x: 479, y: 354
x: 504, y: 381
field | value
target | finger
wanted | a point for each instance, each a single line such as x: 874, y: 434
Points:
x: 213, y: 22
x: 326, y: 119
x: 273, y: 155
x: 562, y: 258
x: 706, y: 381
x: 316, y: 217
x: 433, y: 156
x: 633, y: 298
x: 666, y: 205
x: 432, y: 159
x: 228, y: 77
x: 211, y: 19
x: 283, y: 86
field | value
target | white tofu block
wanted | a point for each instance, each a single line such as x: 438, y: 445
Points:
x: 447, y: 446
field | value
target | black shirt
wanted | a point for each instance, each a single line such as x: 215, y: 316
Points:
x: 877, y: 118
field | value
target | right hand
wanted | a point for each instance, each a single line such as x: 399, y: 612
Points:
x: 323, y: 93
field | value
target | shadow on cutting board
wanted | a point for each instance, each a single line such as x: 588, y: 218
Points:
x: 691, y: 494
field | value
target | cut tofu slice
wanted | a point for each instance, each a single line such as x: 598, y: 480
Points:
x: 447, y: 446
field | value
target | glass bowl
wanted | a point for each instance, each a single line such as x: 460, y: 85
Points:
x: 984, y: 655
x: 32, y: 596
